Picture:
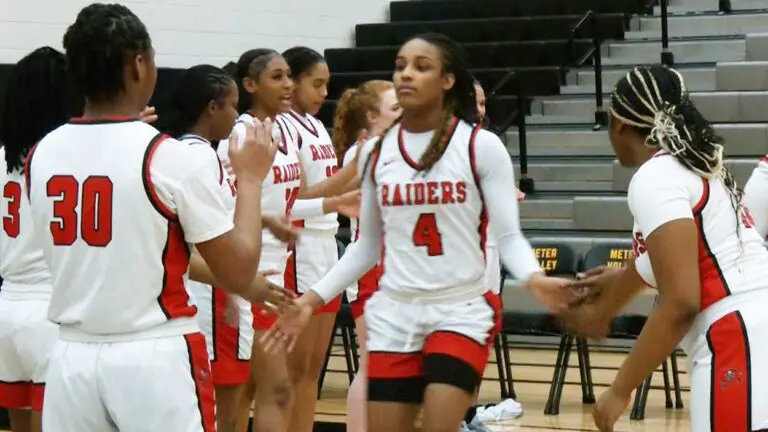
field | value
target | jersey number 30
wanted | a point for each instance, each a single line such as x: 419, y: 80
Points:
x: 93, y: 218
x: 426, y: 234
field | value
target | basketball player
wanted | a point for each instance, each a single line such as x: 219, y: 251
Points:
x: 37, y: 100
x: 696, y: 243
x: 266, y: 89
x: 114, y: 204
x: 317, y: 252
x: 202, y: 109
x: 756, y: 196
x: 368, y: 109
x: 426, y: 186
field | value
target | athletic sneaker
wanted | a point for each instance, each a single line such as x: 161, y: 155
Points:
x: 505, y: 410
x: 478, y: 426
x: 464, y: 427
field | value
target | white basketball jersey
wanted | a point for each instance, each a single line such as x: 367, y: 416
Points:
x: 318, y: 159
x: 116, y: 204
x: 433, y: 221
x: 280, y: 188
x: 349, y: 157
x: 22, y: 265
x: 756, y: 196
x: 206, y: 150
x: 732, y: 258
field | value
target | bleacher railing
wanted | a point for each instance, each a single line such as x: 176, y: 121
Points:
x: 593, y: 54
x: 667, y: 57
x: 525, y: 183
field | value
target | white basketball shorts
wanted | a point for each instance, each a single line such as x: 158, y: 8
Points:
x: 413, y: 344
x: 161, y: 384
x: 27, y: 339
x: 312, y: 258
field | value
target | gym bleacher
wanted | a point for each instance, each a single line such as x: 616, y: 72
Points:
x: 548, y: 67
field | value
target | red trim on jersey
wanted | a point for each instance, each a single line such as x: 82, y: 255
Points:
x: 308, y: 125
x: 713, y: 284
x: 483, y: 225
x: 16, y: 395
x: 731, y: 375
x: 201, y: 375
x: 28, y: 167
x: 102, y: 120
x: 401, y: 143
x: 392, y: 365
x: 174, y: 299
x: 366, y: 287
x: 226, y: 366
x: 283, y: 146
x: 146, y: 176
x: 374, y: 161
x: 764, y: 159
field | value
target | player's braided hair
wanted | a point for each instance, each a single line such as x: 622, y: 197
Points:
x: 352, y: 110
x: 98, y: 44
x: 251, y: 65
x: 37, y: 100
x: 656, y: 102
x: 190, y: 96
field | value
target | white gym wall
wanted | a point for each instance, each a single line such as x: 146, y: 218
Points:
x: 189, y: 32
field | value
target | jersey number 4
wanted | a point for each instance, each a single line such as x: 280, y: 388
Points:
x: 426, y: 234
x: 86, y: 208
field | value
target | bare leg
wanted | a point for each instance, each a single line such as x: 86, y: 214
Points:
x: 444, y: 408
x: 273, y: 391
x: 393, y: 416
x: 305, y: 363
x: 21, y: 420
x: 358, y: 391
x: 227, y: 407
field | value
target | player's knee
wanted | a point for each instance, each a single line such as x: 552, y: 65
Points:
x: 281, y: 393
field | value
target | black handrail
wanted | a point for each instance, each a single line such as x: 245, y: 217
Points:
x: 525, y: 183
x: 667, y: 56
x: 594, y: 54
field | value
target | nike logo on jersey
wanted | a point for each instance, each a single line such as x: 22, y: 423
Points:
x: 387, y: 162
x: 423, y: 193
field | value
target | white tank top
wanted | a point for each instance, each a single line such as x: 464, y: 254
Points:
x: 22, y: 265
x: 117, y: 205
x: 732, y: 258
x: 319, y: 162
x: 434, y: 222
x: 280, y: 188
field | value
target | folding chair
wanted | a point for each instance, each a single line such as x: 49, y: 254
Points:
x: 344, y: 327
x: 556, y: 259
x: 629, y: 327
x: 503, y: 362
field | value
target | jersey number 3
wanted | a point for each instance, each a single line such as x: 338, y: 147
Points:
x: 426, y: 234
x: 94, y: 220
x: 12, y: 193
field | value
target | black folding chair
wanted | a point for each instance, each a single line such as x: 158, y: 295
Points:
x: 557, y: 259
x: 629, y: 326
x: 344, y: 327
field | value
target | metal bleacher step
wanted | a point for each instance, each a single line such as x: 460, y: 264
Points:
x: 639, y: 52
x: 696, y: 77
x: 547, y: 224
x: 742, y: 140
x: 698, y: 25
x: 546, y: 208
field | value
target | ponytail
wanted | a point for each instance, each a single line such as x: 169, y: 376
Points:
x: 352, y: 111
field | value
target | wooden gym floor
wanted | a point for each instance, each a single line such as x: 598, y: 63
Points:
x: 532, y: 370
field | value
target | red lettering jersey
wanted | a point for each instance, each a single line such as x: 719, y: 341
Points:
x: 434, y: 221
x: 732, y: 258
x: 281, y: 186
x: 318, y: 160
x: 116, y: 205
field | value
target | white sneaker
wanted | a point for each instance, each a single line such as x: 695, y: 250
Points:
x: 505, y: 410
x: 464, y: 427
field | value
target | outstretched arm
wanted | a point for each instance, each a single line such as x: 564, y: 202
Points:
x: 497, y: 182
